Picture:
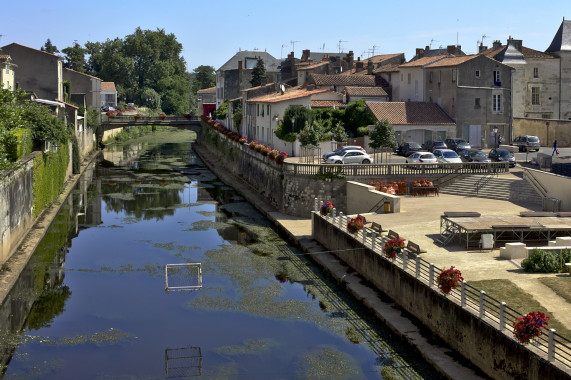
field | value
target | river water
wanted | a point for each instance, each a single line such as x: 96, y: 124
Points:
x: 93, y: 304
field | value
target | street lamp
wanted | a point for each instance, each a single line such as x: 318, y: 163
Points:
x: 495, y: 130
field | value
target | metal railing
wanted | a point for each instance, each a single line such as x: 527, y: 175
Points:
x: 484, y: 181
x: 493, y: 312
x: 534, y: 182
x: 374, y: 170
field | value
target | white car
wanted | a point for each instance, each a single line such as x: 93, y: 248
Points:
x: 338, y: 151
x: 350, y: 157
x: 447, y: 155
x: 421, y: 158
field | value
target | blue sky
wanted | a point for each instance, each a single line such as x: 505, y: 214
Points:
x: 211, y: 32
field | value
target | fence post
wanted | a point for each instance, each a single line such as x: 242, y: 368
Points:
x: 482, y: 304
x: 463, y: 294
x: 431, y: 275
x: 502, y: 316
x: 340, y: 219
x: 417, y: 275
x: 373, y: 239
x: 404, y: 260
x: 333, y: 212
x: 551, y: 345
x: 315, y: 204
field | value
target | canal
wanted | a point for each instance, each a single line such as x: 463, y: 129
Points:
x: 92, y: 303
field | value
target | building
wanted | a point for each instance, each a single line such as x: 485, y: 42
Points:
x: 85, y: 84
x: 206, y: 101
x: 415, y: 121
x: 108, y: 94
x: 235, y: 75
x: 7, y: 75
x: 412, y: 79
x: 561, y: 47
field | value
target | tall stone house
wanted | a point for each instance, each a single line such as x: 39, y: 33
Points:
x: 7, y: 77
x: 235, y: 75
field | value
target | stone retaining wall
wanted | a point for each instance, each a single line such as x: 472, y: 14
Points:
x: 493, y: 351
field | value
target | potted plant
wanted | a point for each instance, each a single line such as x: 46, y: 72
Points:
x: 326, y: 208
x: 392, y: 247
x: 266, y: 150
x: 273, y: 154
x: 243, y: 140
x: 137, y: 116
x: 281, y: 157
x: 162, y: 116
x: 449, y: 279
x: 253, y: 144
x: 355, y: 224
x: 530, y: 326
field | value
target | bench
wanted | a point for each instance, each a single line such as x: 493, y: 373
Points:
x: 393, y: 234
x: 414, y: 248
x: 377, y: 228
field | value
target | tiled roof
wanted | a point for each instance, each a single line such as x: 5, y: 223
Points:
x: 209, y: 90
x: 327, y: 104
x: 108, y: 86
x: 365, y: 91
x: 343, y: 80
x: 423, y: 61
x: 305, y: 66
x: 77, y: 72
x: 27, y: 47
x: 272, y: 64
x: 452, y: 61
x: 391, y: 67
x: 381, y: 57
x: 291, y: 93
x: 410, y: 113
x: 527, y: 52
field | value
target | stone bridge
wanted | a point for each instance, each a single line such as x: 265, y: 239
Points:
x: 109, y: 123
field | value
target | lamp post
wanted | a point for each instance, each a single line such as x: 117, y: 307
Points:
x: 547, y: 125
x: 495, y: 130
x: 292, y: 129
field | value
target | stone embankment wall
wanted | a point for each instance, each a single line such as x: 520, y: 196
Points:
x: 493, y: 351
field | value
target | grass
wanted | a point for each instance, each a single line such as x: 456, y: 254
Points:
x: 517, y: 299
x: 560, y: 286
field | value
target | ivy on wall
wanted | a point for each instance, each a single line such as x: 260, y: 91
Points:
x: 49, y: 176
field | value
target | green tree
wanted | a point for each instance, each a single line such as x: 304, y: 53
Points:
x: 258, y: 74
x: 357, y: 115
x: 311, y: 134
x: 151, y: 98
x: 74, y: 57
x: 11, y: 118
x: 49, y: 48
x: 295, y: 118
x: 338, y: 132
x: 203, y: 77
x: 222, y: 111
x: 382, y: 136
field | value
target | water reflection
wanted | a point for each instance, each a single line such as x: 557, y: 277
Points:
x: 264, y: 310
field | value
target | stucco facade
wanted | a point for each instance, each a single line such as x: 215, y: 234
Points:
x: 85, y: 84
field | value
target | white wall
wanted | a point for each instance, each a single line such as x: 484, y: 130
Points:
x: 410, y: 91
x: 557, y: 186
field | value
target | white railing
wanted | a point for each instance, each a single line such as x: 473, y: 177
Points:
x: 493, y: 312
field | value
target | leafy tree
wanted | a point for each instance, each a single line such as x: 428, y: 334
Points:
x: 203, y: 77
x: 311, y: 134
x: 237, y: 113
x: 258, y: 73
x: 339, y: 133
x: 11, y: 118
x: 49, y: 48
x: 151, y: 98
x: 300, y: 115
x: 382, y: 135
x: 44, y: 125
x: 75, y: 58
x: 357, y: 115
x: 221, y: 112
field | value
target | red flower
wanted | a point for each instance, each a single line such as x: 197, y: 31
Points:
x: 392, y: 247
x: 355, y: 224
x: 530, y: 326
x: 449, y: 279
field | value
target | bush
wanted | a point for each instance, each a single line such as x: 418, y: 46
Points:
x: 542, y: 261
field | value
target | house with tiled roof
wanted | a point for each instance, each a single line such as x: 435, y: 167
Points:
x: 264, y: 108
x: 475, y: 91
x: 108, y: 94
x: 378, y: 94
x: 236, y: 73
x: 89, y: 85
x: 455, y: 50
x: 206, y: 101
x: 415, y: 121
x: 412, y: 79
x: 338, y: 82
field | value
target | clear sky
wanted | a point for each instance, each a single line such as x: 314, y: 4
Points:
x: 211, y: 32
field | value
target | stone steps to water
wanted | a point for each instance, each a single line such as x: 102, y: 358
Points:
x: 508, y: 189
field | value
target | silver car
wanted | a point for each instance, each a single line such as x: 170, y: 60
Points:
x: 527, y: 143
x: 338, y: 151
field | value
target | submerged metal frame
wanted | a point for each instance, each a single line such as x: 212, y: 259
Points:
x: 189, y: 287
x: 183, y: 362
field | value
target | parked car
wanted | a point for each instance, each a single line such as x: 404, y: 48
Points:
x: 447, y: 155
x: 527, y: 143
x: 473, y: 155
x: 407, y: 148
x: 456, y: 144
x: 434, y: 144
x: 421, y: 158
x: 502, y: 155
x: 338, y: 151
x: 350, y: 157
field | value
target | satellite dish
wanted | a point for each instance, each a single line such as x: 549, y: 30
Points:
x: 282, y: 89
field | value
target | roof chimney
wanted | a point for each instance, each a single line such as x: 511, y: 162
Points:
x: 358, y: 65
x: 420, y: 52
x: 497, y: 44
x: 482, y: 48
x: 515, y: 43
x: 453, y: 49
x: 370, y: 67
x: 305, y: 55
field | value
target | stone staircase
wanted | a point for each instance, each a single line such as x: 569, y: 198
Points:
x: 503, y: 187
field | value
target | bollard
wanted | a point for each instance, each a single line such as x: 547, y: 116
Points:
x: 340, y: 219
x: 315, y: 204
x: 482, y: 304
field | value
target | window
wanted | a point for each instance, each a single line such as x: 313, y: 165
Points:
x: 453, y: 75
x: 535, y: 72
x: 535, y: 92
x: 439, y: 76
x: 408, y: 78
x: 477, y: 103
x: 258, y: 109
x: 430, y: 77
x: 268, y: 110
x: 477, y: 73
x: 497, y: 103
x: 497, y: 79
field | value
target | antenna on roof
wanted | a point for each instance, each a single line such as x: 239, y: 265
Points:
x: 431, y: 41
x: 282, y: 89
x: 293, y: 45
x: 323, y: 48
x: 340, y: 47
x: 282, y: 53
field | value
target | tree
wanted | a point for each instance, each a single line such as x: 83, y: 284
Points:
x: 382, y: 136
x: 258, y: 74
x: 151, y: 98
x: 357, y: 115
x: 221, y: 112
x: 311, y: 134
x: 49, y: 48
x: 339, y: 133
x: 203, y: 77
x: 74, y: 58
x: 295, y: 118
